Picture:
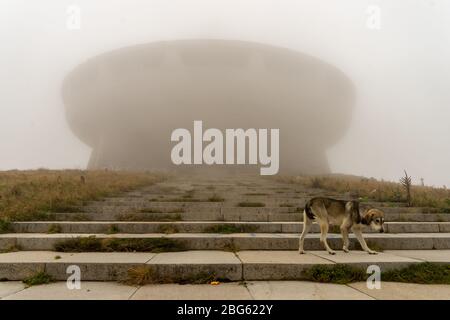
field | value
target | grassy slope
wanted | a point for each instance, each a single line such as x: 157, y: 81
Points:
x: 374, y: 190
x: 28, y: 194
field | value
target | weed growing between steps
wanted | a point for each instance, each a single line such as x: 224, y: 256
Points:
x: 251, y: 204
x: 54, y: 228
x: 177, y: 210
x: 81, y: 217
x: 149, y: 217
x: 30, y: 195
x: 81, y: 244
x: 230, y: 228
x: 286, y: 205
x: 5, y: 226
x: 140, y: 276
x: 112, y: 229
x: 38, y: 278
x: 337, y: 273
x: 143, y: 275
x: 148, y: 210
x: 167, y: 228
x: 177, y: 200
x: 153, y: 210
x: 12, y: 248
x: 216, y: 198
x: 42, y: 216
x: 93, y: 244
x: 143, y: 245
x: 246, y: 184
x: 423, y: 273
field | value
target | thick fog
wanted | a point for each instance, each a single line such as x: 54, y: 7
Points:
x: 396, y: 53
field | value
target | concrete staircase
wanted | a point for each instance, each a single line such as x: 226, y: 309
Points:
x: 235, y: 228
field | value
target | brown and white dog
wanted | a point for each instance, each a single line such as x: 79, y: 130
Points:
x: 326, y: 211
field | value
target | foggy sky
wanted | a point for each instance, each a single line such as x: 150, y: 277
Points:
x: 401, y: 72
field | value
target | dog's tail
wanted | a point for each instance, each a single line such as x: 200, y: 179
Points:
x: 308, y: 210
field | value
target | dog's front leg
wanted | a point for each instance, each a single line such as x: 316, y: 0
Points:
x: 358, y: 234
x: 345, y: 227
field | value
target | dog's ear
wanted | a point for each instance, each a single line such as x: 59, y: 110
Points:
x: 368, y: 215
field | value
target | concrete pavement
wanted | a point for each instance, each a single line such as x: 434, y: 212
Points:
x: 252, y: 290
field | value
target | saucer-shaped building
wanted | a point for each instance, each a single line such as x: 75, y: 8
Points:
x: 125, y: 103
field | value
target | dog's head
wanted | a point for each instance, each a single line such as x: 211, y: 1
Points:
x: 375, y: 219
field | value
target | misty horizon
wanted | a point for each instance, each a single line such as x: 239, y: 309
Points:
x: 400, y: 73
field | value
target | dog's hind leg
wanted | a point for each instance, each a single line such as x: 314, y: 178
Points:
x: 323, y: 237
x: 307, y: 222
x: 345, y: 226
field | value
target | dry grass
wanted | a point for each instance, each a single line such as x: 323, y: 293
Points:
x: 251, y: 204
x: 11, y: 248
x: 149, y: 217
x: 93, y: 244
x: 168, y: 228
x: 336, y: 273
x: 229, y: 228
x: 143, y: 275
x: 30, y: 195
x: 370, y: 189
x: 140, y: 275
x: 54, y: 228
x: 216, y: 198
x: 113, y: 229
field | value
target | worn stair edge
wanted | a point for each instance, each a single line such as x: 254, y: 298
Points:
x: 292, y: 206
x: 240, y: 241
x: 202, y: 226
x: 244, y: 215
x: 190, y: 265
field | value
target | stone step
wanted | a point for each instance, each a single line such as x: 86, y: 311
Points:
x: 246, y: 207
x: 202, y: 198
x: 225, y: 214
x: 154, y: 206
x: 114, y: 266
x: 204, y: 226
x: 197, y: 265
x: 237, y: 241
x: 228, y: 194
x: 127, y: 204
x: 194, y: 203
x: 177, y: 216
x: 418, y: 217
